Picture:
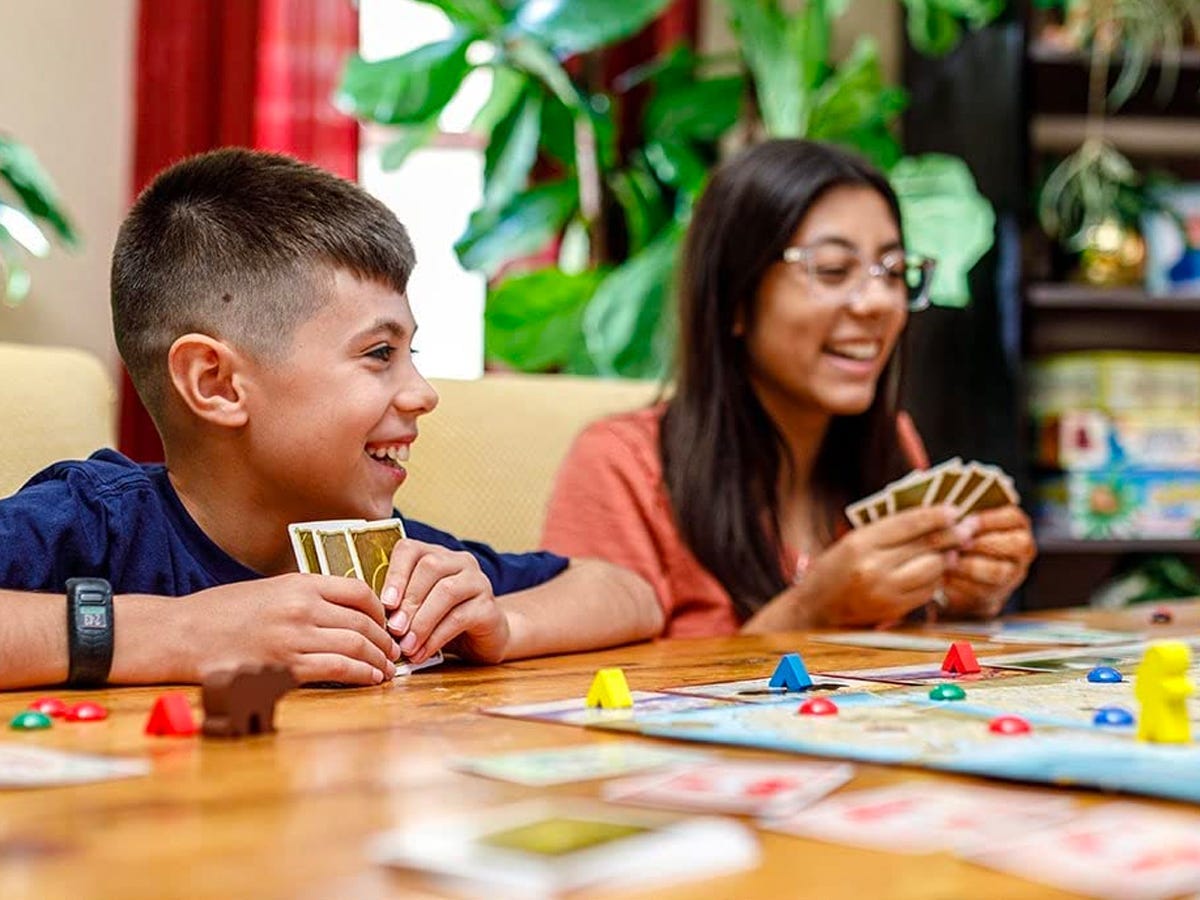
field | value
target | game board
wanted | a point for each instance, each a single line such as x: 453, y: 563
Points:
x: 890, y: 724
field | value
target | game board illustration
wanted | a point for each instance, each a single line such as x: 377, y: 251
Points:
x: 577, y: 712
x: 758, y: 690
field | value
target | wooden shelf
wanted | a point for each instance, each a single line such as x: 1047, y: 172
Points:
x: 1042, y: 51
x: 1083, y: 298
x: 1062, y: 546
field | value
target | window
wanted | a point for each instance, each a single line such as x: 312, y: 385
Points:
x: 433, y: 194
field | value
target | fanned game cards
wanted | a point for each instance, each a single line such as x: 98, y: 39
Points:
x: 352, y: 548
x: 968, y: 487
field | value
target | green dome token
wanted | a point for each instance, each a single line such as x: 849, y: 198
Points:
x: 29, y: 721
x: 947, y: 692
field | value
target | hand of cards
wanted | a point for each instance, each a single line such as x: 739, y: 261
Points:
x: 352, y: 548
x: 969, y: 487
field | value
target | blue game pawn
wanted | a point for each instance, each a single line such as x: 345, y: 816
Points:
x: 1104, y: 675
x: 1113, y: 716
x: 790, y: 674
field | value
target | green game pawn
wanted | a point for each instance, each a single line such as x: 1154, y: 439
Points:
x: 947, y: 692
x: 29, y: 721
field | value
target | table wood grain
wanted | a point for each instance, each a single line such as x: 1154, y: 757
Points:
x: 289, y: 814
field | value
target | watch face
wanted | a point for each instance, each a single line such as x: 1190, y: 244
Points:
x: 93, y: 617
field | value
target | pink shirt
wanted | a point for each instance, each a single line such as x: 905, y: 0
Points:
x: 609, y: 501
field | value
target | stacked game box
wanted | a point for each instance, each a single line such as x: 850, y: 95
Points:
x: 1117, y: 438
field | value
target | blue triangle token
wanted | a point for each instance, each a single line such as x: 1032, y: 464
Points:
x: 790, y: 674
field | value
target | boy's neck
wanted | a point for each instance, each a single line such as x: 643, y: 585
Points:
x: 231, y: 512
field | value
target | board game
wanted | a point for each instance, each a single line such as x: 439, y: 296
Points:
x: 891, y: 719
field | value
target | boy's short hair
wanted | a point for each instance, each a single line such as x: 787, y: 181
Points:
x: 242, y: 246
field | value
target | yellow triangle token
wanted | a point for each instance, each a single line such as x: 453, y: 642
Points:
x: 609, y: 690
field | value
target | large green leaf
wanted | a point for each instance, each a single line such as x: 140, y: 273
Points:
x: 529, y: 222
x: 558, y: 132
x: 33, y: 187
x: 678, y: 165
x: 935, y: 26
x: 766, y: 36
x: 22, y: 230
x: 945, y: 217
x: 697, y: 110
x: 405, y: 90
x: 512, y: 150
x: 574, y: 26
x: 14, y: 277
x: 408, y: 142
x: 532, y: 321
x: 643, y: 202
x: 508, y: 88
x: 479, y: 15
x: 623, y: 323
x: 855, y: 107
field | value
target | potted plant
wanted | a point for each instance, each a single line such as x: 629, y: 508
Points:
x: 616, y: 217
x: 27, y: 209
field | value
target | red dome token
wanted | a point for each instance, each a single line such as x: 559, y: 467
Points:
x: 818, y: 706
x: 86, y: 712
x: 50, y: 706
x: 1009, y: 725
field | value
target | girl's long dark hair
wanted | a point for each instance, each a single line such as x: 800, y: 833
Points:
x: 721, y: 453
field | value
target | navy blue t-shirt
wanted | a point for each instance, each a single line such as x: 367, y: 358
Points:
x: 112, y: 518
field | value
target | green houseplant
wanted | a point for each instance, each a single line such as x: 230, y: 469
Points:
x: 617, y: 216
x: 29, y: 205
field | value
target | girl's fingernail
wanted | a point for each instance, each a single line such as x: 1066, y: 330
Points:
x: 408, y: 644
x: 390, y: 596
x: 376, y: 676
x: 399, y: 622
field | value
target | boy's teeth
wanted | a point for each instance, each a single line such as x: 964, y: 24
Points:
x: 396, y: 454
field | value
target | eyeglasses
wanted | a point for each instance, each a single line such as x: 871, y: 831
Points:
x: 838, y: 274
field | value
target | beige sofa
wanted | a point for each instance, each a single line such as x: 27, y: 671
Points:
x: 55, y: 403
x: 485, y: 460
x: 482, y: 468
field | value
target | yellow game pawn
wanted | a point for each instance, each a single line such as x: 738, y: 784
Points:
x: 1162, y: 689
x: 609, y: 690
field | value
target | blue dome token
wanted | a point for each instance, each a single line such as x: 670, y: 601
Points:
x: 1104, y: 675
x: 1113, y: 715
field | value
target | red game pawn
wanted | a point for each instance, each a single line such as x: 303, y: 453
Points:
x: 172, y: 715
x: 961, y: 659
x: 86, y: 712
x: 1009, y: 725
x: 818, y: 706
x: 50, y: 706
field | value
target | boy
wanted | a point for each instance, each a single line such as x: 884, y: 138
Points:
x: 259, y: 306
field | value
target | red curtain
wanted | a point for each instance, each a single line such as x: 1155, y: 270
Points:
x: 253, y: 73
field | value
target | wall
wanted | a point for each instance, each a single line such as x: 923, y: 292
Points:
x: 66, y: 90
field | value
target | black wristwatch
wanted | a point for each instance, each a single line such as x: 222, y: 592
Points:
x: 89, y: 631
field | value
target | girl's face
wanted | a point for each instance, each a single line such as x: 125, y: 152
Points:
x: 825, y: 323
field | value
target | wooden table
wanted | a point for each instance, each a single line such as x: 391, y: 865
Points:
x: 288, y: 815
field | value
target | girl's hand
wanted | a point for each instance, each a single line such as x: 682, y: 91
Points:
x: 992, y: 564
x: 877, y: 574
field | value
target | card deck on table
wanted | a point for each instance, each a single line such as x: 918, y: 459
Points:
x: 30, y: 767
x: 969, y: 488
x: 352, y: 548
x: 563, y: 765
x: 1117, y: 850
x: 926, y: 817
x: 737, y: 787
x: 548, y: 848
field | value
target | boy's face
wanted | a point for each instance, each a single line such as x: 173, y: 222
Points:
x: 331, y: 424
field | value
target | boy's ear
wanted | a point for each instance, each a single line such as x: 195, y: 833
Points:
x: 206, y: 375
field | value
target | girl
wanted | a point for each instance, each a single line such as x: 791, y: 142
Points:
x: 728, y: 497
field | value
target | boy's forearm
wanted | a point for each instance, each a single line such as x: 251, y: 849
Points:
x: 591, y: 605
x: 33, y: 640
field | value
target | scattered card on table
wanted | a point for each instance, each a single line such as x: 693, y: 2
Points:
x: 586, y: 762
x: 883, y: 640
x: 737, y: 787
x: 1116, y: 850
x: 1035, y: 632
x: 925, y: 818
x: 548, y: 848
x: 31, y: 767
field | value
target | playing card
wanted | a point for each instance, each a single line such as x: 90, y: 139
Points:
x: 335, y: 553
x: 29, y: 767
x: 736, y: 787
x: 1118, y: 850
x: 925, y: 818
x: 304, y: 542
x: 372, y: 545
x: 948, y: 475
x: 910, y: 492
x: 549, y: 848
x: 883, y: 640
x: 973, y: 476
x: 996, y: 493
x: 563, y: 765
x: 868, y: 509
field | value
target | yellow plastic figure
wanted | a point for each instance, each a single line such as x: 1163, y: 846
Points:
x: 609, y: 690
x: 1162, y: 689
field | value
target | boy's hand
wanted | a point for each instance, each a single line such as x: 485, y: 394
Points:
x: 322, y: 627
x: 878, y: 573
x: 992, y: 564
x: 438, y: 596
